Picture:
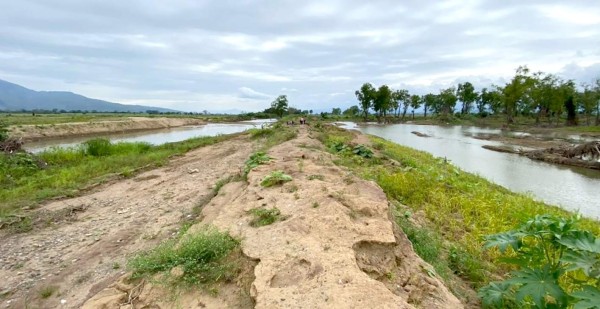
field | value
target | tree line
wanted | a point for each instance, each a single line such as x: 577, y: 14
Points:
x: 545, y: 96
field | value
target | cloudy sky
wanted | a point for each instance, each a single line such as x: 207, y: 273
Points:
x: 239, y: 55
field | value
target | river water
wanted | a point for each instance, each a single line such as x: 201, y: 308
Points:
x: 575, y: 189
x: 154, y: 137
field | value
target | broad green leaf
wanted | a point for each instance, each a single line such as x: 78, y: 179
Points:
x: 538, y: 283
x: 495, y: 294
x: 586, y: 261
x: 589, y: 298
x: 581, y: 240
x: 503, y: 241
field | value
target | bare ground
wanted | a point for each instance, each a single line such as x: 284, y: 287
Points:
x: 335, y: 248
x: 82, y: 256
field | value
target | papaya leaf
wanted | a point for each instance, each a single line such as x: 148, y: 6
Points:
x: 496, y: 294
x: 581, y: 240
x: 586, y: 261
x: 538, y: 283
x: 503, y: 241
x: 589, y: 298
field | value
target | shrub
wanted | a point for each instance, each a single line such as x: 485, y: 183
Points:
x: 256, y: 159
x: 275, y: 178
x: 263, y: 216
x: 552, y: 256
x: 201, y: 257
x: 97, y: 147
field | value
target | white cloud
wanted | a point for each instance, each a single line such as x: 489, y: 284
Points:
x: 250, y: 93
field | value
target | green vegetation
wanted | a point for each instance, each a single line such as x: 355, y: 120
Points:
x: 27, y: 179
x: 264, y: 216
x: 256, y: 159
x: 48, y: 291
x: 318, y: 177
x: 459, y: 208
x: 3, y: 131
x: 200, y: 258
x: 558, y: 266
x: 275, y: 178
x: 540, y: 96
x: 273, y: 135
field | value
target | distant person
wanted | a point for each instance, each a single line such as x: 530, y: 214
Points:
x: 302, y: 121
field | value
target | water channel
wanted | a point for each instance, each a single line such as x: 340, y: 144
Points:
x: 154, y: 137
x: 575, y: 189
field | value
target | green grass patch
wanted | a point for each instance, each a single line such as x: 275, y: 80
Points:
x: 317, y: 177
x: 275, y: 178
x: 48, y: 291
x: 200, y: 258
x: 27, y: 179
x: 461, y: 207
x: 273, y: 135
x: 256, y: 159
x: 264, y: 216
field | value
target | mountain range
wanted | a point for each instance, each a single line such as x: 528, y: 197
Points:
x: 16, y: 98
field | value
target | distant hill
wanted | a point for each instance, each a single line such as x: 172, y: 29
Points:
x: 15, y: 98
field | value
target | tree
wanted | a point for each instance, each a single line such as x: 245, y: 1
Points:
x: 447, y: 101
x: 515, y: 91
x: 280, y: 105
x: 397, y: 97
x: 352, y: 111
x: 429, y: 101
x: 415, y: 103
x: 382, y: 101
x: 467, y: 95
x: 365, y: 97
x: 336, y: 111
x: 587, y: 101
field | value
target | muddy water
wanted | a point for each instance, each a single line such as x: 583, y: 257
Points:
x: 574, y: 189
x: 155, y: 137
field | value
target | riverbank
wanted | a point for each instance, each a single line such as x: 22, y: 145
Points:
x: 340, y: 225
x: 93, y: 127
x: 323, y: 238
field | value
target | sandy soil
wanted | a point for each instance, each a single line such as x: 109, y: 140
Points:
x: 335, y: 246
x: 37, y: 132
x: 83, y: 255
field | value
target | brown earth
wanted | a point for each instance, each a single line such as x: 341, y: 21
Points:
x: 336, y: 246
x: 129, y: 124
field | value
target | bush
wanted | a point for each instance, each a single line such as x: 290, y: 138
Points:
x: 263, y: 216
x: 255, y: 160
x: 3, y: 131
x: 275, y: 178
x: 201, y: 257
x: 97, y: 147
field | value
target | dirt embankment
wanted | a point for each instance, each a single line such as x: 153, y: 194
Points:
x: 336, y: 248
x: 129, y: 124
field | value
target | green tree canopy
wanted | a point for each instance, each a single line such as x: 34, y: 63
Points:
x: 365, y: 96
x: 280, y: 105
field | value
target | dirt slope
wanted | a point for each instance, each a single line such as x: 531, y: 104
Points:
x: 82, y: 256
x: 37, y: 132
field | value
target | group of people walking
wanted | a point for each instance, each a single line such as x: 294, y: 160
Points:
x: 302, y: 121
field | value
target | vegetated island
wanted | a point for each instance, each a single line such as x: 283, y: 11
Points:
x: 288, y: 216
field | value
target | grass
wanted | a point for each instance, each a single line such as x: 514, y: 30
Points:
x: 460, y: 207
x: 48, y: 291
x: 264, y: 216
x: 201, y: 258
x: 28, y: 179
x: 317, y: 177
x: 273, y: 135
x: 275, y: 178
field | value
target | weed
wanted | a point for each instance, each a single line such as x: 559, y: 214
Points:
x: 116, y: 265
x: 318, y: 177
x: 275, y: 178
x: 264, y: 216
x: 256, y: 159
x: 363, y: 151
x: 201, y: 258
x: 48, y: 291
x: 315, y: 205
x: 292, y: 189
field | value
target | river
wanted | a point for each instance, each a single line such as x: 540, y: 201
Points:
x: 154, y: 137
x: 574, y: 189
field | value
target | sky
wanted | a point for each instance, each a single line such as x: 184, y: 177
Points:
x: 240, y: 55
